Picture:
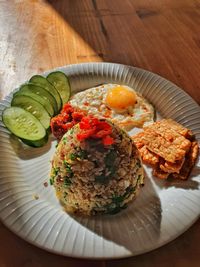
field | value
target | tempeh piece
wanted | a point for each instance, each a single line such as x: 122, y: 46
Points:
x: 137, y: 139
x: 189, y: 162
x: 169, y: 150
x: 168, y: 147
x: 187, y: 133
x: 167, y: 166
x: 169, y: 134
x: 160, y: 174
x: 148, y: 157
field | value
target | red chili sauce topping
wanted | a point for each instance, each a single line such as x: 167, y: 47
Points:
x: 90, y: 127
x: 64, y: 121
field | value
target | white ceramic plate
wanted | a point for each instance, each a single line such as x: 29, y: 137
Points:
x: 162, y: 211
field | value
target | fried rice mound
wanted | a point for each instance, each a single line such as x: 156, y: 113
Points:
x: 96, y: 171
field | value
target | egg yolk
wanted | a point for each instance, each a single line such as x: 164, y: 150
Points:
x: 120, y: 98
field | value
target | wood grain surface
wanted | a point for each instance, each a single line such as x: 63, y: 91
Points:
x: 160, y: 36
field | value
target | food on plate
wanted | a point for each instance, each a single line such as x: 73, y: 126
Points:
x: 68, y: 117
x: 25, y: 126
x: 61, y: 82
x: 119, y: 103
x: 39, y: 94
x: 190, y: 160
x: 168, y: 147
x: 41, y: 99
x: 43, y: 82
x: 32, y: 106
x: 96, y: 168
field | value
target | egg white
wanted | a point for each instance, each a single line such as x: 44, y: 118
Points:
x: 93, y: 102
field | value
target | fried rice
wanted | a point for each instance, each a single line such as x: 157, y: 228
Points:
x: 91, y: 178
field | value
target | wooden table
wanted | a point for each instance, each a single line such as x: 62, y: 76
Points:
x: 160, y: 36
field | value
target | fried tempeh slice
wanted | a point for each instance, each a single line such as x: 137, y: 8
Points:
x: 169, y: 134
x: 165, y: 144
x: 159, y: 173
x: 169, y: 123
x: 137, y: 139
x: 189, y: 162
x: 167, y: 166
x: 148, y: 157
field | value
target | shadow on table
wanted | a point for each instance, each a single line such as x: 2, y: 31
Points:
x: 135, y: 228
x: 98, y: 25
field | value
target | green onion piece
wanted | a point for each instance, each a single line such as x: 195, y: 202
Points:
x: 73, y: 156
x: 68, y: 168
x: 67, y: 182
x: 64, y: 140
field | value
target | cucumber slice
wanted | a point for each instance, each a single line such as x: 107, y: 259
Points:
x: 38, y: 143
x: 43, y: 82
x: 39, y: 94
x: 24, y: 125
x: 60, y: 81
x: 34, y: 107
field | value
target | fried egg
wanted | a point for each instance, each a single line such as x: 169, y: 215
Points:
x: 119, y: 103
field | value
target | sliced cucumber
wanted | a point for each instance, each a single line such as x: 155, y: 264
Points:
x: 34, y: 107
x: 38, y: 143
x: 39, y: 94
x: 24, y: 125
x: 60, y: 81
x: 43, y: 82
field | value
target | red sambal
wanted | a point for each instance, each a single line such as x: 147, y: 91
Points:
x: 91, y: 127
x: 64, y: 121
